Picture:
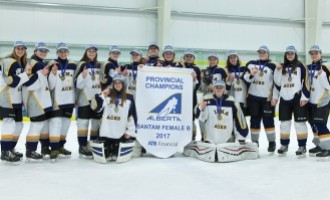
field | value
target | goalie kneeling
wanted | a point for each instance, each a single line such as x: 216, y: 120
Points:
x: 221, y: 115
x: 117, y: 124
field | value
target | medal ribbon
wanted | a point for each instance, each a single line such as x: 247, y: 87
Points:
x: 117, y: 100
x: 63, y: 69
x: 134, y: 72
x: 289, y: 69
x: 219, y: 104
x: 261, y: 67
x: 313, y: 70
x: 91, y: 66
x: 237, y: 74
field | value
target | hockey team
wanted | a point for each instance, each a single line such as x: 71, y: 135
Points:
x: 104, y: 97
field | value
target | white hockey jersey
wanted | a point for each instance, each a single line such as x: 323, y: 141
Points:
x: 292, y: 82
x: 261, y: 85
x: 11, y: 81
x: 88, y: 86
x: 36, y: 92
x: 238, y: 88
x: 62, y: 84
x: 221, y: 117
x: 132, y: 70
x: 116, y: 120
x: 319, y: 76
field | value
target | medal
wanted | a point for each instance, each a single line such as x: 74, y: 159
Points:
x: 261, y: 69
x: 63, y: 69
x: 219, y: 104
x: 93, y: 77
x: 133, y: 82
x: 289, y: 79
x: 116, y: 109
x: 237, y: 74
x: 62, y: 77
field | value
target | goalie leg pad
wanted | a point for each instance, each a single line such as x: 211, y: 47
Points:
x: 232, y: 152
x: 201, y: 151
x: 98, y: 151
x: 137, y: 152
x: 125, y: 152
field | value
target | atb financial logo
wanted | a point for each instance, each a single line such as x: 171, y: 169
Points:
x: 167, y: 110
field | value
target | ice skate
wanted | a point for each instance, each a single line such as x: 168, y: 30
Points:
x: 54, y: 155
x: 323, y: 156
x: 84, y: 152
x: 16, y: 153
x: 7, y: 157
x: 271, y: 148
x: 312, y: 152
x: 301, y: 152
x: 282, y: 151
x: 64, y: 153
x: 45, y: 152
x: 33, y: 156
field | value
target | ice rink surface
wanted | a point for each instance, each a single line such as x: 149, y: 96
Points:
x: 176, y: 178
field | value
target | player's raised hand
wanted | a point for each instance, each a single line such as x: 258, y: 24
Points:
x: 84, y: 72
x: 202, y: 105
x: 231, y: 77
x: 254, y: 71
x: 28, y: 69
x: 194, y: 75
x: 125, y: 72
x: 106, y: 92
x: 279, y: 66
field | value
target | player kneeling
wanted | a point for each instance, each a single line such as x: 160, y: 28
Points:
x: 117, y: 125
x: 221, y: 116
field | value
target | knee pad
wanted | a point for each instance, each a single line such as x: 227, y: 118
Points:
x: 8, y: 126
x: 95, y: 124
x: 35, y: 128
x: 301, y: 127
x: 55, y: 126
x: 45, y: 127
x: 65, y: 126
x: 82, y: 124
x: 285, y: 126
x: 18, y: 128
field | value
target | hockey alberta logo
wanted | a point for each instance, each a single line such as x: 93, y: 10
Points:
x: 166, y: 110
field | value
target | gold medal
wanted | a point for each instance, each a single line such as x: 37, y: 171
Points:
x: 219, y: 117
x: 133, y: 82
x: 116, y: 109
x: 289, y: 79
x: 261, y: 73
x: 62, y: 77
x: 238, y: 82
x: 93, y: 77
